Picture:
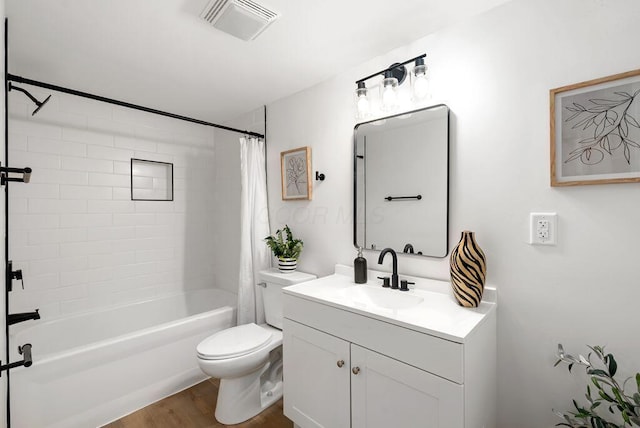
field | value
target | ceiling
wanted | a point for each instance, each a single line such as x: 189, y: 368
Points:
x: 161, y: 54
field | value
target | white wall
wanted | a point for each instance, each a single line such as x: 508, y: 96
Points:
x: 74, y: 231
x: 495, y: 72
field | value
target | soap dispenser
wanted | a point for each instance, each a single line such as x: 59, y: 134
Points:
x: 360, y: 268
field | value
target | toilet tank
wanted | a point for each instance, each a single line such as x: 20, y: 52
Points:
x: 273, y: 281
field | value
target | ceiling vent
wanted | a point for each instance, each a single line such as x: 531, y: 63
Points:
x: 244, y: 19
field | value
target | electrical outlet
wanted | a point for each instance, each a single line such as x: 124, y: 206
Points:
x: 543, y: 228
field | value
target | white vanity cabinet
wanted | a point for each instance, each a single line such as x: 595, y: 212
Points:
x: 349, y: 366
x: 330, y: 382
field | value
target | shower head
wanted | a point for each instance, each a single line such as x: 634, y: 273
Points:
x: 31, y: 97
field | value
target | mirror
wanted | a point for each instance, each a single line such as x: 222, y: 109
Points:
x: 401, y: 182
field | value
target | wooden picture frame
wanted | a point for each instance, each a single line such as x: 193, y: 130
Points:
x: 595, y: 131
x: 295, y: 168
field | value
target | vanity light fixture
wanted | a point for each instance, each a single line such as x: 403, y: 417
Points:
x: 393, y: 77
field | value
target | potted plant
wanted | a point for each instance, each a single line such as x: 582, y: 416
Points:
x: 610, y: 403
x: 285, y: 248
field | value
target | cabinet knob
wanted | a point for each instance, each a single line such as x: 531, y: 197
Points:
x: 340, y: 363
x: 355, y: 370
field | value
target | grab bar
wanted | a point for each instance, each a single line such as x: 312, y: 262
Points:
x: 27, y: 360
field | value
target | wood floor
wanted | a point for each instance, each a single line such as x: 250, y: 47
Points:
x: 194, y: 408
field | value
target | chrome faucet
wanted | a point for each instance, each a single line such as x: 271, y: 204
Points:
x: 394, y: 256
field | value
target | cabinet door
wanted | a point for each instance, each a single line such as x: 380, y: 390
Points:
x: 388, y: 393
x: 316, y: 377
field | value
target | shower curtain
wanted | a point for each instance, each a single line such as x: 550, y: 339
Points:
x: 254, y: 227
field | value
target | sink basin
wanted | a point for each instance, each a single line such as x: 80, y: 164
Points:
x: 369, y: 297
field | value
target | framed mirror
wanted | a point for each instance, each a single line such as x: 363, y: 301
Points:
x: 401, y: 182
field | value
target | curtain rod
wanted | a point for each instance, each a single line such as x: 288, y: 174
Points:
x: 14, y: 78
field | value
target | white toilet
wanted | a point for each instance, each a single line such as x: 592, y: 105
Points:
x: 248, y: 358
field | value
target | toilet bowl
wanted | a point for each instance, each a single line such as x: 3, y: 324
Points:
x: 248, y: 358
x: 248, y: 361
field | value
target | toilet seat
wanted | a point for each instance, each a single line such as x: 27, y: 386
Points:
x: 234, y: 342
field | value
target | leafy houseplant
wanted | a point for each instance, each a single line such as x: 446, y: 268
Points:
x: 609, y: 396
x: 285, y: 248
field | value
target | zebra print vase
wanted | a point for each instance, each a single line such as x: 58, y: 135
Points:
x: 468, y: 271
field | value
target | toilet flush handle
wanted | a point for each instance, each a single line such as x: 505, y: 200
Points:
x: 262, y: 284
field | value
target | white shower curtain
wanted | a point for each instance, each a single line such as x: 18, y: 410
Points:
x: 254, y: 227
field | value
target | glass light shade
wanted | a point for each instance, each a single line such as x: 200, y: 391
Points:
x: 419, y: 82
x: 389, y: 93
x: 363, y: 106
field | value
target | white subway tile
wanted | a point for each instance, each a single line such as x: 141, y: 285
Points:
x: 18, y: 142
x: 158, y: 231
x: 89, y: 165
x: 111, y: 233
x: 56, y: 236
x: 34, y: 252
x: 54, y: 176
x: 109, y: 126
x: 35, y: 129
x: 57, y: 265
x: 150, y: 243
x: 56, y: 147
x: 18, y: 237
x: 55, y: 206
x: 135, y: 144
x: 111, y: 260
x: 34, y: 160
x: 18, y: 205
x: 79, y: 248
x: 35, y: 191
x: 109, y: 153
x: 157, y: 157
x: 135, y: 269
x: 111, y: 180
x: 90, y: 108
x: 133, y: 219
x: 170, y: 218
x: 111, y: 206
x: 35, y: 221
x: 154, y: 255
x: 74, y: 278
x: 122, y: 193
x: 86, y: 220
x: 123, y: 168
x: 85, y: 192
x: 38, y: 282
x: 154, y: 206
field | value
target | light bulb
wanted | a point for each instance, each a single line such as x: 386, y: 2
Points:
x: 363, y: 108
x: 389, y: 94
x: 419, y: 83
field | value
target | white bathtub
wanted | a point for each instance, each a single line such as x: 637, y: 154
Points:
x: 93, y: 368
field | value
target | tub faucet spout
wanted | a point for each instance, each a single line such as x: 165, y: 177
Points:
x: 23, y: 316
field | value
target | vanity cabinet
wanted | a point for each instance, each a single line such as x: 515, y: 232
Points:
x: 330, y: 382
x: 354, y: 363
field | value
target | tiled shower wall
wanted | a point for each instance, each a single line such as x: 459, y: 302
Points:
x: 81, y: 242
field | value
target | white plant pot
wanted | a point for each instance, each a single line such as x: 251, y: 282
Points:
x: 287, y: 265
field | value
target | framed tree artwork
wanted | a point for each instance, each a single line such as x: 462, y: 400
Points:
x: 595, y: 131
x: 295, y: 166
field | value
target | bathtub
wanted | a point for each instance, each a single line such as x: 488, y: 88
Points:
x: 91, y: 369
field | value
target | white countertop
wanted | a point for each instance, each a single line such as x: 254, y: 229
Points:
x: 438, y: 313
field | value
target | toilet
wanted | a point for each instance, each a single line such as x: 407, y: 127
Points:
x: 248, y: 358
